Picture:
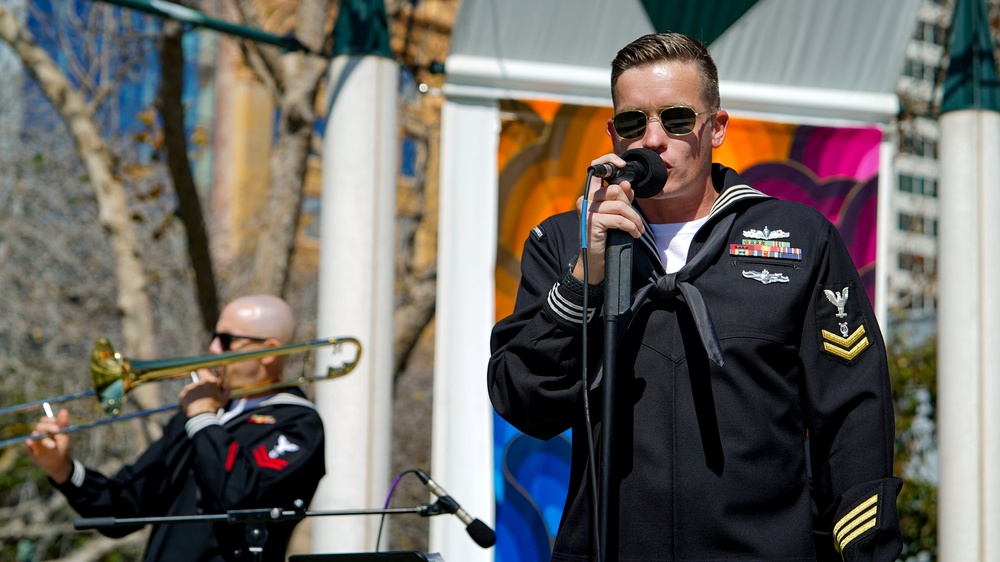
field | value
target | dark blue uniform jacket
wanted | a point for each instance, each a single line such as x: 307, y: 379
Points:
x: 784, y: 452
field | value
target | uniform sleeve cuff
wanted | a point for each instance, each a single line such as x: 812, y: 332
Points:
x: 566, y: 298
x: 79, y: 473
x: 867, y: 523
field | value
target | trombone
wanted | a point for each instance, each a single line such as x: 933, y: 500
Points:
x: 113, y: 376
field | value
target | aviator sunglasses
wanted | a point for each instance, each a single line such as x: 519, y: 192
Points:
x: 677, y: 121
x: 226, y: 339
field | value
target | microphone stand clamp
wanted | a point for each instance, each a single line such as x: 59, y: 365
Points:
x: 443, y: 505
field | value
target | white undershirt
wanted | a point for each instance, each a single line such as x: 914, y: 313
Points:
x: 674, y: 240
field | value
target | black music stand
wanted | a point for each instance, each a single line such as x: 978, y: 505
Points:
x: 397, y: 556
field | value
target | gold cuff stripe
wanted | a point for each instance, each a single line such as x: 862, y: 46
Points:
x: 856, y: 522
x: 861, y: 530
x: 854, y: 512
x: 844, y: 342
x: 848, y: 354
x: 860, y: 520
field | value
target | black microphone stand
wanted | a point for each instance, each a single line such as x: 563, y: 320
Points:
x: 647, y: 174
x: 617, y: 300
x: 255, y: 520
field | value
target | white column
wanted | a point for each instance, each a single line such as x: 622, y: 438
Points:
x: 357, y: 248
x: 969, y: 337
x: 462, y: 453
x: 884, y: 224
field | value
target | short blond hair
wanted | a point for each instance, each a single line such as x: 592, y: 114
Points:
x: 669, y: 47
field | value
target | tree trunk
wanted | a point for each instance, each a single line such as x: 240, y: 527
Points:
x: 276, y: 239
x: 298, y: 80
x: 113, y: 204
x: 189, y: 208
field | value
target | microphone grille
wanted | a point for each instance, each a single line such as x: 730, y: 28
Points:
x: 481, y: 533
x: 648, y: 184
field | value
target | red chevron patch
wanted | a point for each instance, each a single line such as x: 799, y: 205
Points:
x: 264, y: 461
x: 233, y: 447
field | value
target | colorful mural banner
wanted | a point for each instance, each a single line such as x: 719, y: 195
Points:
x: 544, y: 151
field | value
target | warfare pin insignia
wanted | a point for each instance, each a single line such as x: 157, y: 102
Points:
x: 766, y: 277
x: 766, y: 234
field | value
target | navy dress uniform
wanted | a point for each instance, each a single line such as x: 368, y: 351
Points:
x: 754, y: 415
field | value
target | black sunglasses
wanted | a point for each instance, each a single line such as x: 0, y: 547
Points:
x: 677, y: 121
x: 226, y: 339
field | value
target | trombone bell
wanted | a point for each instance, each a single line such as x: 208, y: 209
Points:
x: 108, y: 373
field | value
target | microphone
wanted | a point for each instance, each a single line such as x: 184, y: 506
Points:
x: 643, y: 170
x: 479, y: 531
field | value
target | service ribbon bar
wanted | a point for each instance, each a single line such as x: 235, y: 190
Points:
x: 765, y: 249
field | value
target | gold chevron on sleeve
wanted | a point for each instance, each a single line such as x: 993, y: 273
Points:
x: 856, y: 522
x: 847, y: 348
x: 844, y: 342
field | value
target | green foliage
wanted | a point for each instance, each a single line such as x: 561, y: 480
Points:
x: 38, y: 162
x: 913, y: 371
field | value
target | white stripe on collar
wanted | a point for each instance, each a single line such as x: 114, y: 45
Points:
x: 733, y: 194
x: 282, y: 398
x: 287, y: 398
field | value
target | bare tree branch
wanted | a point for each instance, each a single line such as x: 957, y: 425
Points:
x: 262, y: 71
x: 416, y: 262
x: 264, y: 59
x: 73, y: 56
x: 289, y: 158
x: 410, y: 319
x: 114, y: 213
x: 310, y: 21
x: 189, y: 204
x: 114, y: 210
x: 97, y: 98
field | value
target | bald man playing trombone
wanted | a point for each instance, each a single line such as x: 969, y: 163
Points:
x: 217, y: 454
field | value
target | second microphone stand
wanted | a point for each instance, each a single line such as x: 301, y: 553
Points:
x: 256, y: 520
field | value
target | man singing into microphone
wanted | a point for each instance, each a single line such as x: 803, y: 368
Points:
x: 753, y: 418
x: 262, y: 451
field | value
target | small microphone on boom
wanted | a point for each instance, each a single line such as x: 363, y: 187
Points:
x: 479, y: 531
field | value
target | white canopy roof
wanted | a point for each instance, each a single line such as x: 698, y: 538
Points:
x: 815, y: 58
